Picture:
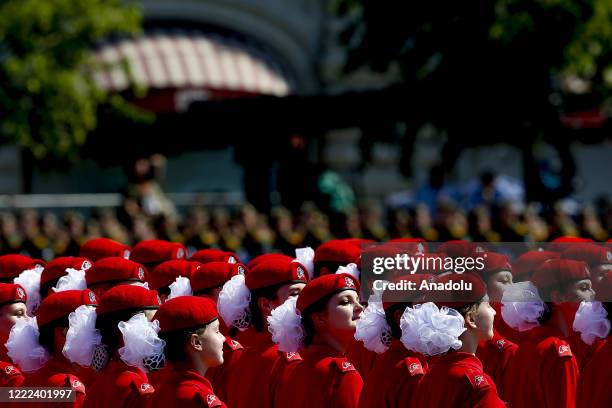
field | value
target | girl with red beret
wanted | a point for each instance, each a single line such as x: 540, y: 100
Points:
x: 450, y: 326
x: 12, y: 309
x: 130, y: 347
x: 323, y: 321
x: 47, y: 348
x: 190, y: 327
x: 544, y: 370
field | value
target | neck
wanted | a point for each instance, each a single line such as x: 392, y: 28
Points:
x: 469, y: 342
x: 330, y: 341
x: 557, y: 320
x: 198, y: 365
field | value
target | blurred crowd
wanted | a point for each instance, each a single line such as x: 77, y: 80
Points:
x: 247, y: 232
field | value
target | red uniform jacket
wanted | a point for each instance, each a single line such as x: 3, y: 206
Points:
x: 10, y: 375
x: 257, y: 372
x: 119, y: 386
x: 323, y: 379
x: 185, y: 388
x: 219, y: 376
x: 544, y: 371
x: 596, y: 378
x: 503, y: 329
x: 496, y: 355
x: 58, y: 372
x: 393, y: 380
x: 456, y: 380
x: 362, y: 358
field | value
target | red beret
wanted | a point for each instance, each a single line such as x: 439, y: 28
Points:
x: 61, y: 304
x: 214, y: 255
x: 393, y: 297
x: 561, y: 243
x: 358, y: 242
x: 128, y: 298
x: 274, y: 272
x: 323, y: 286
x: 337, y: 250
x: 458, y: 248
x: 587, y: 252
x: 99, y: 248
x: 559, y: 272
x: 493, y: 262
x: 214, y: 274
x: 155, y: 251
x: 460, y: 290
x: 110, y: 270
x: 267, y: 257
x: 12, y: 293
x: 186, y: 312
x: 12, y: 265
x: 57, y: 268
x: 166, y: 272
x: 603, y: 288
x: 527, y: 263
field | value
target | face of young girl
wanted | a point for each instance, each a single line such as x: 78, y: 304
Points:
x: 497, y: 283
x: 212, y: 344
x: 343, y: 311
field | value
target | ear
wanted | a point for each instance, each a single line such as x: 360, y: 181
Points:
x: 195, y: 343
x: 319, y: 320
x: 470, y: 319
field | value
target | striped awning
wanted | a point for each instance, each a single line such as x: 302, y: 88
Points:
x: 178, y: 59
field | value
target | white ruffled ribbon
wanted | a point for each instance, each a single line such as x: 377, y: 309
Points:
x: 522, y: 306
x: 350, y: 269
x: 429, y: 330
x: 233, y: 303
x: 180, y: 287
x: 372, y: 326
x: 73, y: 280
x: 23, y: 347
x: 30, y: 281
x: 82, y: 337
x: 140, y: 341
x: 285, y: 324
x: 591, y: 322
x: 305, y: 256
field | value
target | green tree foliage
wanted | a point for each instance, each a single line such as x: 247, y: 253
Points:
x: 498, y: 52
x: 48, y: 97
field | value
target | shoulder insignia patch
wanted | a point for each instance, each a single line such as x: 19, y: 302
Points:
x: 213, y: 401
x: 414, y: 368
x: 292, y: 356
x: 233, y: 344
x: 477, y: 379
x: 75, y: 384
x: 564, y: 350
x: 344, y: 365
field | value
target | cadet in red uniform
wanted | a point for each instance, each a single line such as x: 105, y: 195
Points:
x: 598, y: 258
x: 100, y: 248
x: 207, y: 281
x: 23, y: 271
x: 397, y: 371
x: 269, y: 283
x: 190, y: 327
x: 113, y: 271
x: 497, y: 352
x: 463, y: 319
x: 53, y: 325
x: 12, y: 308
x: 544, y: 371
x: 595, y: 378
x: 166, y: 273
x: 325, y: 313
x: 119, y: 384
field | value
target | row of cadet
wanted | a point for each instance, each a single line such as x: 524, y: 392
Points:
x: 142, y: 326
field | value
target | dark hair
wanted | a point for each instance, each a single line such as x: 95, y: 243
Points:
x: 46, y: 333
x: 547, y: 314
x: 44, y: 288
x: 269, y: 292
x: 396, y: 332
x: 307, y: 322
x: 107, y: 324
x: 608, y: 307
x: 176, y: 341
